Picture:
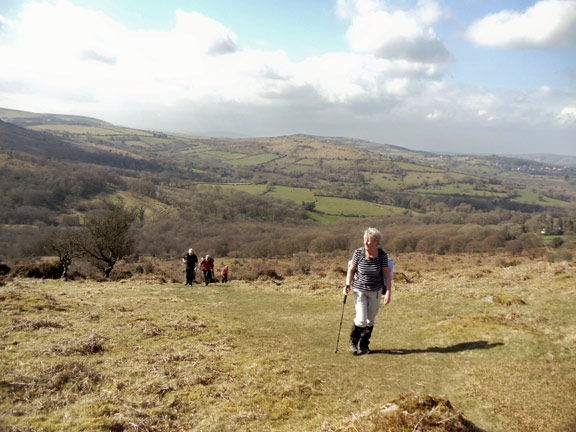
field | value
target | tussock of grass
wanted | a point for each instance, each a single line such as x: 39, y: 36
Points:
x: 25, y: 300
x: 411, y: 413
x: 91, y: 345
x: 505, y: 299
x: 26, y: 324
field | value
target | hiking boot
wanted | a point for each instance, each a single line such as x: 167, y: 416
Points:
x: 354, y: 338
x: 365, y: 339
x: 353, y: 348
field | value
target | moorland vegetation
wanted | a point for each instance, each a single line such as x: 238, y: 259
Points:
x: 469, y: 343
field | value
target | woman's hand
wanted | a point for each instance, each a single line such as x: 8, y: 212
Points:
x: 346, y: 290
x: 387, y: 297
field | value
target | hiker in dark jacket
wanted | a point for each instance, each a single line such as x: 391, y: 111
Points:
x: 369, y: 276
x: 191, y: 261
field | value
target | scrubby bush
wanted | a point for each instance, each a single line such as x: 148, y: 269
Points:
x: 117, y: 275
x: 38, y: 271
x: 4, y: 269
x: 329, y: 243
x: 560, y: 255
x: 268, y: 274
x: 515, y: 247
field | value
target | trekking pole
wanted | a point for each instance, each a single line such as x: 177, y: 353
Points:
x: 341, y: 318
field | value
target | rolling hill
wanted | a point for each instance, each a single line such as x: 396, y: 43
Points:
x: 344, y: 168
x: 57, y: 169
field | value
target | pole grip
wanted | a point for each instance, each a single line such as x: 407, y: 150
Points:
x: 345, y: 297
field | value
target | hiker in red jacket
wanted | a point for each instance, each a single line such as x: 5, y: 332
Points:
x: 207, y: 265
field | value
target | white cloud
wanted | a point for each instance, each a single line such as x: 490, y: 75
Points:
x: 549, y: 23
x: 567, y: 116
x: 196, y: 76
x: 347, y: 9
x: 398, y: 34
x: 85, y: 55
x: 434, y: 115
x: 485, y: 115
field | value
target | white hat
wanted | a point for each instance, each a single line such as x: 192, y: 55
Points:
x: 190, y: 250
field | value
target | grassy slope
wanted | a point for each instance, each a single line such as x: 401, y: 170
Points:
x: 260, y: 356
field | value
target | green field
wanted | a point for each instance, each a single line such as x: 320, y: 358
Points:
x: 414, y: 167
x: 459, y: 189
x: 156, y: 140
x: 530, y: 197
x: 224, y: 155
x: 349, y: 207
x: 295, y: 194
x: 254, y: 189
x: 385, y: 181
x: 321, y: 218
x: 254, y: 160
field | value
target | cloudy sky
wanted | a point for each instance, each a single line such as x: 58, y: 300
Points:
x: 483, y: 76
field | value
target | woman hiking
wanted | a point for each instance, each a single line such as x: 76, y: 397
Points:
x: 369, y: 276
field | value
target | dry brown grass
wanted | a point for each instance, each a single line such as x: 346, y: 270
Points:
x: 480, y: 341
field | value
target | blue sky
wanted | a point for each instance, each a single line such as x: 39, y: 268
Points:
x: 480, y: 76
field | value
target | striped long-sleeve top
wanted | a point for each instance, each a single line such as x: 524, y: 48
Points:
x: 369, y: 276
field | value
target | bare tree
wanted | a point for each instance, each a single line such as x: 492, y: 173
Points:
x: 65, y: 245
x: 108, y: 238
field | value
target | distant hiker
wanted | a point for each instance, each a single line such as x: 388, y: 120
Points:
x: 191, y: 261
x: 207, y: 264
x: 225, y: 274
x: 369, y: 274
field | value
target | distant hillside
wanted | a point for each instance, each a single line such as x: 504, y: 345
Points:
x: 27, y: 119
x: 385, y: 149
x: 48, y: 145
x: 551, y: 159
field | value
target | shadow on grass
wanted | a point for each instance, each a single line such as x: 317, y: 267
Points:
x: 464, y: 346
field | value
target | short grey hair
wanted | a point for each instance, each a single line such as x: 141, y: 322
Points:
x: 373, y: 234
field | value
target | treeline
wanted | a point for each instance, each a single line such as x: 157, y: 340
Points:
x: 439, y: 234
x: 238, y: 234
